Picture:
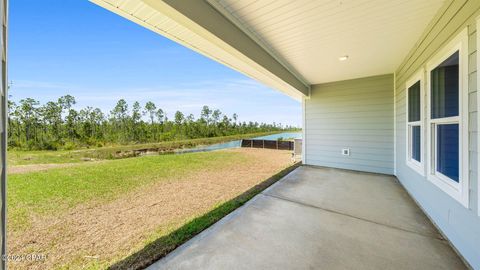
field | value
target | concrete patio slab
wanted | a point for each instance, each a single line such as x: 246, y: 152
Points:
x: 374, y: 197
x: 320, y: 218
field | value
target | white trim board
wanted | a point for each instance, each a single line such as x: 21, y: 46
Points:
x: 395, y: 123
x: 478, y: 117
x: 304, y: 128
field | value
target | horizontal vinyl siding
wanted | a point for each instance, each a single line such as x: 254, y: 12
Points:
x: 355, y: 114
x: 461, y: 225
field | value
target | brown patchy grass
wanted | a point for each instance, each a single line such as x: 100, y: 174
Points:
x: 18, y: 169
x: 96, y: 235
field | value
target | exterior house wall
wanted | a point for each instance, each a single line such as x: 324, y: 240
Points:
x: 355, y: 114
x: 460, y: 224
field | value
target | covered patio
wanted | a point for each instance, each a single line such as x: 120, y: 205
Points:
x: 321, y: 218
x: 387, y: 87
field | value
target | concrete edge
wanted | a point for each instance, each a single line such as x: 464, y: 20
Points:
x: 467, y: 264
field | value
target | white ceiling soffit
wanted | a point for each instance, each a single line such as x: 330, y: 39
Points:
x: 311, y: 35
x: 198, y: 40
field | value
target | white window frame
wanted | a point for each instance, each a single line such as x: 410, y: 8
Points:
x: 419, y: 167
x: 459, y: 191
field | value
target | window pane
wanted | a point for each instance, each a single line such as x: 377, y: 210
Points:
x: 414, y: 102
x: 448, y: 150
x: 444, y: 92
x: 416, y: 143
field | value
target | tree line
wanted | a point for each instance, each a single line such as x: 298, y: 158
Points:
x: 58, y: 125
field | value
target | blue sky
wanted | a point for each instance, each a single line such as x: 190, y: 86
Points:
x: 75, y: 47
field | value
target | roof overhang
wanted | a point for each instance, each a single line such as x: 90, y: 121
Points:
x: 199, y: 26
x: 290, y: 45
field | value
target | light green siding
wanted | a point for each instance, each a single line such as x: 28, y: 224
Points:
x: 460, y: 224
x: 355, y: 114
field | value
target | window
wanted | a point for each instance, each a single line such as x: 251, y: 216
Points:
x: 447, y: 119
x: 415, y: 137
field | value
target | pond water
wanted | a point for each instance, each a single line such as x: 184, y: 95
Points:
x: 218, y: 146
x: 235, y: 144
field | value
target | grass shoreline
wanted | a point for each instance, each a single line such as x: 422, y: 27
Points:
x: 24, y: 157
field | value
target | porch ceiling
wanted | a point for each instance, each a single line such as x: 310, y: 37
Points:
x: 311, y: 35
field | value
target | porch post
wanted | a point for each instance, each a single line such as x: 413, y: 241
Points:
x: 3, y: 127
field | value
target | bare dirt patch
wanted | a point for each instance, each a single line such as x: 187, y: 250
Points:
x: 96, y: 235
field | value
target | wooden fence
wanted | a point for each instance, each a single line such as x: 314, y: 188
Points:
x: 269, y: 144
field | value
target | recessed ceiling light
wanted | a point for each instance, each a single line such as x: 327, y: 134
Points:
x: 343, y: 58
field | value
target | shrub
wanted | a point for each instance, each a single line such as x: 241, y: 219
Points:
x: 69, y: 146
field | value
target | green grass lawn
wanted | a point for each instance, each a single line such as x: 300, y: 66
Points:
x: 57, y: 193
x: 18, y: 157
x: 57, y: 190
